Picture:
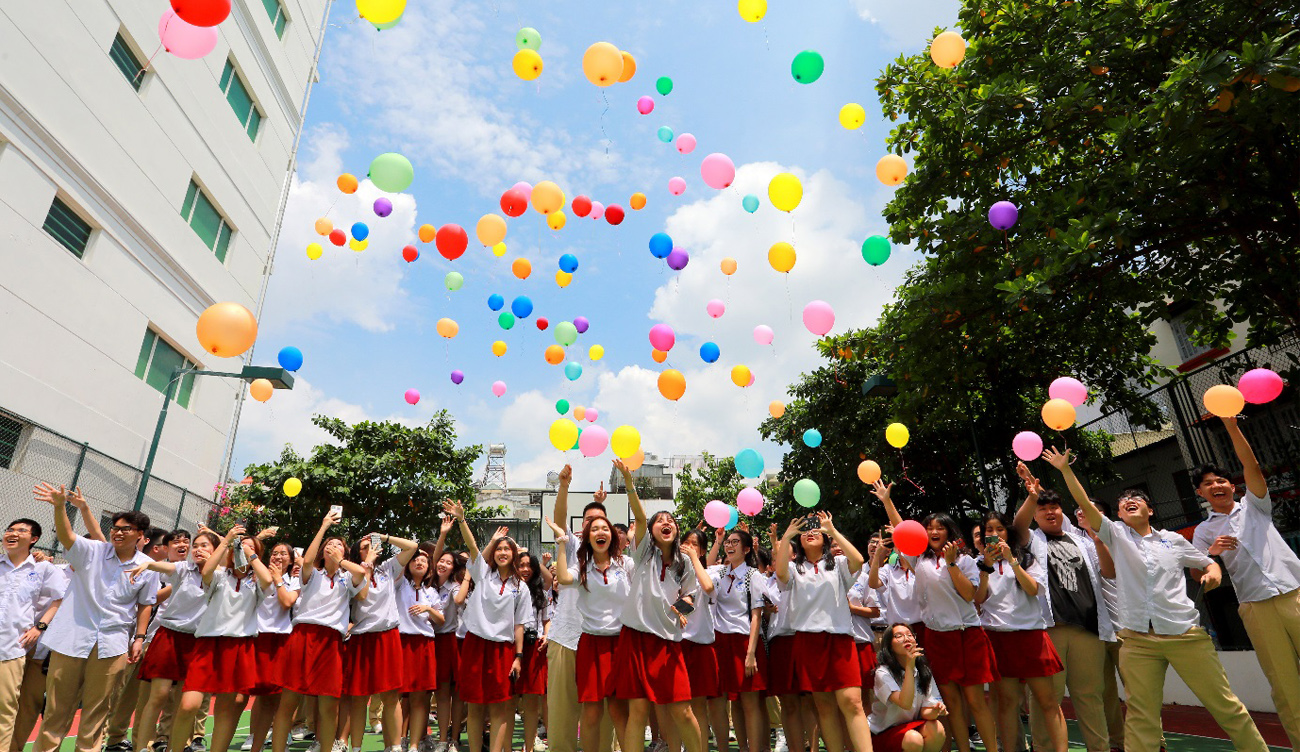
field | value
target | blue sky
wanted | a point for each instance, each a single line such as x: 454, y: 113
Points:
x: 439, y: 89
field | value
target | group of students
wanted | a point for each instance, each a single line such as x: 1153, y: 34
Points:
x: 653, y: 623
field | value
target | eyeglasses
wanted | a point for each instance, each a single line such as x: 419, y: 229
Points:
x: 18, y: 530
x: 123, y: 530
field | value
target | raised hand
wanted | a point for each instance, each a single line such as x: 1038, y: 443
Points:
x: 827, y: 523
x: 331, y: 518
x: 546, y: 558
x: 235, y: 530
x: 49, y: 494
x: 501, y: 532
x: 556, y: 529
x: 447, y: 523
x: 76, y: 499
x: 454, y: 508
x: 566, y: 475
x: 600, y: 494
x: 950, y: 552
x: 1057, y: 459
x: 882, y: 491
x: 269, y: 532
x: 792, y: 530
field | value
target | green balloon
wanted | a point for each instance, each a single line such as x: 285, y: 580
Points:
x: 807, y: 67
x: 566, y: 333
x: 506, y: 320
x: 389, y: 25
x: 664, y: 85
x: 454, y: 281
x: 807, y: 493
x: 527, y: 38
x: 562, y: 407
x: 391, y: 172
x: 577, y: 440
x: 875, y: 250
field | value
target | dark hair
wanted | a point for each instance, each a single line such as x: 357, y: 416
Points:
x: 534, y: 585
x: 213, y: 539
x: 746, y: 541
x: 230, y: 554
x: 586, y: 553
x: 1137, y: 493
x: 1198, y: 475
x: 1102, y: 506
x: 1048, y: 496
x: 885, y: 656
x: 137, y: 520
x: 354, y: 551
x: 175, y: 534
x: 424, y: 549
x: 594, y: 505
x: 1019, y: 548
x: 675, y: 555
x: 700, y: 538
x: 457, y: 565
x: 949, y: 524
x: 620, y: 527
x: 320, y: 554
x: 33, y: 524
x: 763, y: 556
x: 489, y: 554
x: 154, y: 536
x: 271, y: 549
x: 801, y: 556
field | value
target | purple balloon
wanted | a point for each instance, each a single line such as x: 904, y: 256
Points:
x: 457, y: 376
x: 383, y: 207
x: 581, y: 324
x: 678, y: 259
x: 1003, y: 215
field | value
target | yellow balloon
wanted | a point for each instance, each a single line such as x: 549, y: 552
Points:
x: 785, y: 192
x: 292, y: 487
x: 752, y: 10
x: 776, y: 408
x: 781, y: 256
x: 868, y: 472
x: 448, y: 328
x: 891, y: 169
x: 1223, y: 400
x: 499, y: 250
x: 625, y: 442
x: 563, y: 278
x: 491, y: 229
x: 1058, y: 414
x: 547, y: 197
x: 498, y: 348
x: 381, y: 11
x: 897, y: 435
x: 629, y: 67
x: 740, y: 375
x: 527, y: 64
x: 852, y: 116
x: 603, y: 65
x: 564, y: 434
x: 358, y: 245
x: 596, y: 352
x: 556, y: 219
x: 314, y: 251
x: 948, y: 49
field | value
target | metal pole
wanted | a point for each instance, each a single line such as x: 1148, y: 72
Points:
x: 180, y: 507
x: 157, y: 437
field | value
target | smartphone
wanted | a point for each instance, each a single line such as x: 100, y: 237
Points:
x: 376, y: 540
x: 683, y: 607
x: 811, y: 522
x: 337, y: 510
x: 887, y: 538
x: 992, y: 540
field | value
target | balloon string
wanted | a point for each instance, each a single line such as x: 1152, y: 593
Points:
x: 148, y: 62
x: 903, y: 460
x: 789, y: 302
x: 608, y: 141
x: 767, y: 45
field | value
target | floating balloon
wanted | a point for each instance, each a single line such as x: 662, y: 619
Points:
x: 226, y: 330
x: 496, y: 301
x: 292, y: 487
x: 812, y: 438
x: 457, y: 376
x: 717, y: 513
x: 1058, y: 414
x: 556, y: 220
x: 454, y: 281
x: 672, y: 384
x: 528, y: 38
x: 664, y: 85
x: 818, y: 317
x: 1027, y: 445
x: 347, y: 183
x: 637, y: 201
x: 676, y: 186
x: 662, y: 337
x: 635, y: 461
x: 391, y: 172
x: 763, y: 334
x: 629, y: 67
x: 1223, y: 400
x: 749, y: 463
x: 381, y: 11
x: 498, y: 348
x: 614, y: 214
x: 498, y: 388
x: 324, y: 227
x: 1069, y: 389
x: 554, y: 354
x: 665, y: 134
x: 1259, y: 386
x: 1003, y: 215
x: 602, y: 63
x: 412, y: 396
x: 806, y: 492
x: 447, y: 328
x: 715, y: 308
x: 563, y: 278
x: 542, y: 323
x: 749, y: 203
x: 781, y: 256
x: 564, y: 432
x: 658, y: 356
x: 593, y: 441
x: 718, y: 171
x: 513, y: 203
x: 579, y: 412
x: 868, y: 471
x: 678, y: 259
x: 261, y: 390
x: 753, y: 12
x: 686, y: 143
x: 452, y: 240
x: 597, y: 210
x: 741, y: 376
x: 562, y: 407
x: 358, y: 245
x: 875, y: 250
x: 852, y: 116
x: 645, y: 105
x: 521, y: 268
x: 710, y: 352
x: 338, y: 237
x: 573, y: 371
x: 911, y: 538
x: 581, y: 206
x: 289, y: 358
x: 522, y: 306
x: 948, y: 49
x: 383, y: 207
x: 183, y: 39
x: 202, y: 12
x: 807, y: 66
x: 897, y: 435
x: 776, y: 409
x: 314, y: 251
x: 506, y: 320
x: 566, y: 333
x: 785, y: 192
x: 491, y: 229
x: 427, y: 233
x: 547, y: 197
x: 749, y: 501
x: 728, y: 266
x: 891, y: 169
x: 581, y: 324
x: 660, y: 245
x: 733, y: 517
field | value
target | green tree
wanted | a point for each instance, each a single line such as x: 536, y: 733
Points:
x: 718, y: 479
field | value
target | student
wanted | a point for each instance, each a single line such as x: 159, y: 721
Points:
x: 99, y: 630
x: 1110, y: 594
x: 865, y: 609
x: 1265, y: 572
x: 530, y: 687
x: 419, y: 614
x: 158, y: 545
x: 274, y: 625
x: 961, y: 655
x: 1012, y: 572
x: 1159, y: 623
x: 698, y: 651
x: 880, y: 595
x: 798, y: 713
x: 892, y: 578
x: 446, y: 591
x: 905, y: 706
x: 738, y: 589
x: 825, y: 659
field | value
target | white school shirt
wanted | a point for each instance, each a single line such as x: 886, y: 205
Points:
x: 699, y: 624
x: 1149, y: 573
x: 819, y: 598
x: 182, y: 609
x: 778, y: 595
x: 43, y: 604
x: 1262, y: 566
x: 861, y: 595
x: 232, y: 606
x: 324, y: 600
x: 1111, y: 592
x: 377, y: 612
x: 101, y: 603
x: 600, y: 603
x: 1105, y: 622
x: 1009, y: 608
x: 495, y: 607
x: 736, y: 592
x: 406, y: 594
x: 654, y: 588
x: 903, y: 601
x: 271, y: 616
x: 23, y: 588
x: 445, y: 595
x: 535, y: 619
x: 942, y: 607
x: 885, y: 714
x: 566, y: 624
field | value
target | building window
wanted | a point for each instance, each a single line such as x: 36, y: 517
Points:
x: 10, y: 432
x: 276, y: 11
x: 156, y: 363
x: 65, y: 226
x: 126, y: 61
x: 1182, y: 329
x: 241, y: 101
x: 208, y: 224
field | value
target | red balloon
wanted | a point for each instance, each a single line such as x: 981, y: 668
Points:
x: 452, y: 241
x: 202, y: 12
x: 911, y: 538
x: 410, y: 253
x: 514, y: 202
x: 542, y: 323
x: 581, y: 206
x: 338, y: 237
x: 614, y: 214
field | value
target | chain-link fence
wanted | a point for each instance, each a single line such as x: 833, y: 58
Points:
x: 30, y: 454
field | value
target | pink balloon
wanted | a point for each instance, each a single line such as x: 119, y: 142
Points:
x: 751, y: 379
x: 718, y: 171
x: 763, y: 334
x: 717, y: 514
x: 662, y: 337
x: 592, y: 414
x: 1260, y: 385
x: 1027, y: 445
x: 412, y: 396
x: 715, y: 308
x: 498, y: 388
x: 686, y: 143
x: 645, y: 105
x: 597, y: 210
x: 525, y: 188
x: 819, y: 317
x: 185, y: 40
x: 1069, y: 389
x: 593, y: 441
x: 749, y: 501
x: 677, y: 186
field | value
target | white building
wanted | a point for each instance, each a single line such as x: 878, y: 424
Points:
x: 137, y: 189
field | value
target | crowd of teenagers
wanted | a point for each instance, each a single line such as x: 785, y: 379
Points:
x: 647, y: 625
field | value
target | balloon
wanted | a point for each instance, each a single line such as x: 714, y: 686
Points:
x: 645, y: 105
x: 665, y: 134
x: 629, y: 66
x: 261, y: 390
x: 528, y: 38
x: 733, y: 517
x: 868, y: 471
x: 381, y: 11
x: 891, y: 169
x: 566, y: 333
x: 290, y: 358
x: 452, y: 240
x: 314, y: 251
x: 1003, y: 215
x: 948, y: 49
x: 522, y: 306
x: 637, y: 201
x: 875, y: 250
x: 498, y: 348
x: 491, y: 229
x: 806, y: 492
x: 358, y: 245
x: 1069, y: 389
x: 781, y: 256
x: 715, y: 308
x: 547, y: 197
x: 1058, y: 414
x: 672, y: 384
x: 391, y: 172
x: 521, y: 268
x: 740, y: 376
x: 709, y: 352
x: 457, y: 376
x: 185, y: 40
x: 660, y: 245
x: 292, y: 487
x: 614, y: 214
x: 412, y: 396
x: 581, y: 206
x: 542, y: 323
x: 454, y: 281
x: 496, y: 301
x: 202, y: 12
x: 728, y: 266
x: 410, y: 253
x: 562, y: 407
x: 573, y: 371
x: 556, y: 220
x: 226, y: 330
x: 785, y: 192
x: 776, y: 409
x: 447, y: 328
x: 658, y: 356
x: 347, y: 183
x: 498, y: 388
x: 852, y: 116
x: 717, y: 513
x: 753, y: 12
x: 428, y: 233
x: 581, y: 324
x: 807, y: 66
x: 383, y: 207
x: 897, y: 435
x: 554, y: 354
x: 678, y: 259
x: 718, y: 171
x: 749, y: 501
x: 911, y: 538
x: 338, y: 237
x: 662, y: 337
x: 527, y: 65
x: 564, y: 432
x: 664, y: 85
x: 818, y: 317
x: 1223, y: 400
x: 749, y: 463
x: 812, y: 438
x: 1259, y: 386
x: 635, y: 461
x: 593, y: 440
x: 579, y: 412
x: 506, y: 320
x: 595, y: 352
x: 524, y: 187
x: 563, y: 278
x: 513, y: 203
x: 749, y: 203
x: 1027, y: 445
x: 602, y: 63
x: 676, y: 186
x: 763, y: 334
x: 685, y: 143
x: 324, y: 227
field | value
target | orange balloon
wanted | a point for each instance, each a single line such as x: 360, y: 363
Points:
x: 261, y: 390
x: 491, y: 229
x: 635, y: 461
x: 547, y: 197
x: 728, y: 266
x: 324, y: 226
x: 868, y: 472
x: 226, y: 330
x: 348, y: 183
x: 1058, y: 414
x: 629, y: 67
x: 448, y: 328
x: 602, y: 63
x: 579, y: 412
x: 522, y: 268
x: 428, y: 233
x: 776, y: 408
x: 891, y: 169
x: 1223, y: 400
x: 659, y: 355
x: 672, y: 384
x: 637, y: 201
x: 554, y: 355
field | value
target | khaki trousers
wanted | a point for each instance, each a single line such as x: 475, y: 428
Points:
x: 1274, y: 629
x: 11, y: 687
x: 1082, y: 652
x: 31, y: 704
x: 562, y: 707
x: 1114, y: 708
x: 129, y: 702
x: 1144, y: 660
x: 92, y: 681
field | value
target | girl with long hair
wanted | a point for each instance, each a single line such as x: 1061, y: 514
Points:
x: 445, y: 584
x: 864, y: 607
x: 798, y: 714
x: 894, y: 581
x: 274, y: 624
x: 418, y: 617
x: 905, y: 705
x: 698, y: 648
x: 530, y: 687
x: 737, y: 618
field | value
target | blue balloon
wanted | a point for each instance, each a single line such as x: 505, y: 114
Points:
x: 569, y: 263
x: 709, y: 352
x: 360, y: 231
x: 573, y: 370
x: 750, y: 203
x: 290, y: 358
x: 812, y: 437
x: 522, y: 306
x: 749, y: 463
x: 661, y: 245
x: 665, y: 134
x: 735, y: 517
x: 496, y: 302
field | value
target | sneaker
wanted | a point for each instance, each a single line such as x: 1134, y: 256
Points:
x: 301, y: 733
x: 539, y: 745
x: 426, y: 744
x: 541, y: 730
x: 159, y: 745
x: 315, y: 747
x: 247, y: 746
x: 339, y: 746
x: 198, y: 744
x: 377, y: 728
x: 122, y: 746
x: 780, y: 745
x: 975, y: 736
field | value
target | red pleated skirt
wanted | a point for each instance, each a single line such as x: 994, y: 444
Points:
x: 650, y: 667
x: 420, y: 667
x: 313, y: 661
x: 780, y: 666
x: 1026, y: 654
x: 168, y: 656
x: 489, y: 679
x: 961, y: 656
x: 222, y: 666
x: 731, y: 650
x: 891, y: 739
x: 701, y: 668
x: 594, y: 667
x: 532, y: 676
x: 825, y: 662
x: 867, y: 662
x: 448, y: 649
x: 269, y: 652
x: 372, y: 663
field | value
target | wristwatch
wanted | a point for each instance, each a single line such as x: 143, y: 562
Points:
x: 41, y: 626
x: 138, y: 637
x: 952, y: 564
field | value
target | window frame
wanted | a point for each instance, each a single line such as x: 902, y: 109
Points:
x: 279, y: 19
x: 220, y: 244
x: 252, y: 122
x: 72, y: 211
x: 134, y: 81
x: 146, y: 360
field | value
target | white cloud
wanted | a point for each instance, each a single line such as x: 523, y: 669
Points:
x: 909, y: 26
